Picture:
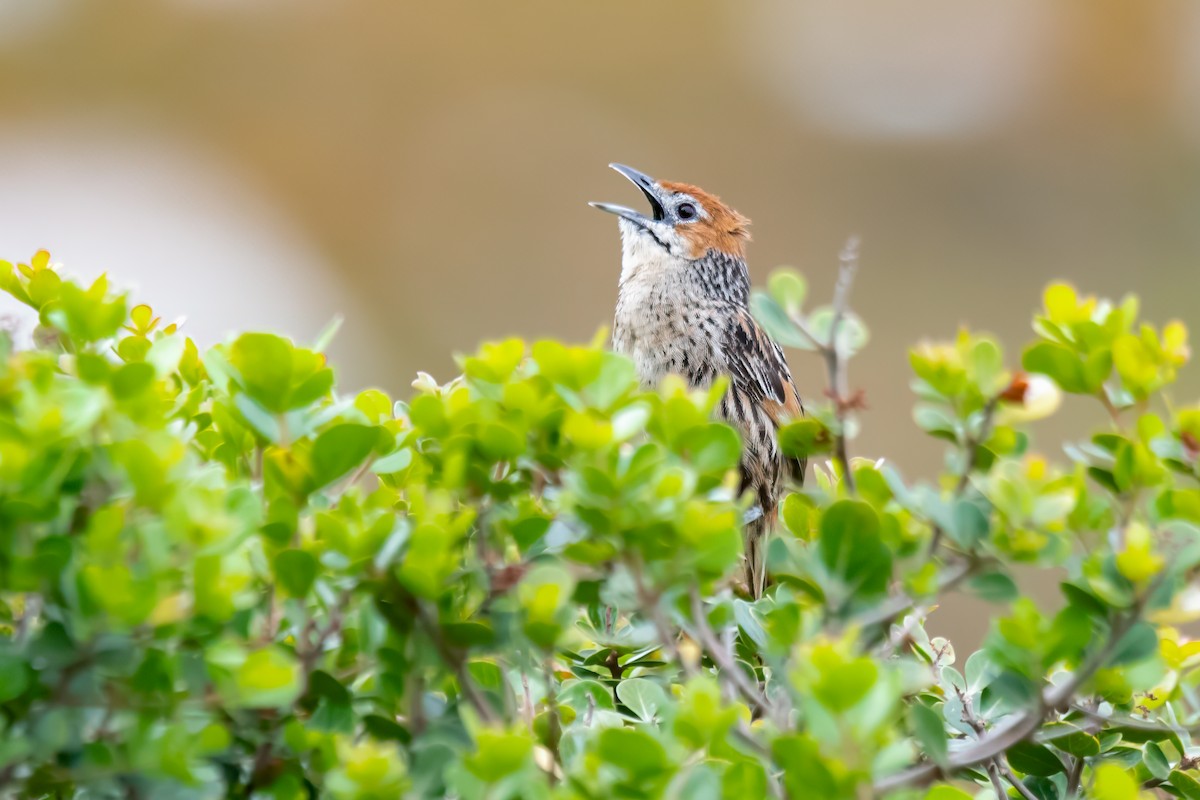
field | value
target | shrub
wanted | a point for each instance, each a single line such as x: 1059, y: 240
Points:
x: 219, y: 577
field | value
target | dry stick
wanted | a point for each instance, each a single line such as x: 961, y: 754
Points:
x: 1139, y: 724
x: 834, y: 364
x: 649, y: 601
x: 996, y: 767
x: 971, y: 445
x: 1014, y: 780
x: 1074, y: 777
x: 458, y: 665
x: 352, y: 479
x: 997, y: 784
x: 555, y: 727
x: 709, y: 641
x: 900, y: 604
x: 993, y: 766
x: 26, y: 621
x: 527, y: 701
x: 312, y: 651
x: 1021, y: 727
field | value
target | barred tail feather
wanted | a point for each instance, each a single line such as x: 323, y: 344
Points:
x: 757, y: 535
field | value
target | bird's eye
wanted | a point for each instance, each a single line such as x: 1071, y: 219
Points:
x: 686, y: 211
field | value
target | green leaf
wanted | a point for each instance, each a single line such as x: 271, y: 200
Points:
x: 543, y: 594
x: 842, y: 683
x: 1059, y: 363
x: 264, y: 363
x: 987, y: 366
x: 327, y: 334
x: 395, y: 462
x: 1029, y: 758
x: 777, y: 323
x: 788, y: 288
x: 805, y: 437
x: 14, y: 677
x: 87, y: 315
x: 500, y: 442
x: 1185, y: 784
x: 1139, y: 643
x: 946, y: 793
x: 930, y: 732
x: 258, y: 418
x: 935, y: 420
x: 643, y: 697
x: 164, y: 355
x: 806, y: 772
x: 584, y: 694
x: 340, y: 449
x: 1069, y: 739
x: 295, y: 570
x: 1135, y: 364
x: 1114, y: 783
x: 852, y: 333
x: 1155, y: 761
x: 745, y: 779
x: 268, y: 678
x: 995, y: 587
x: 499, y: 754
x: 633, y: 751
x: 970, y: 526
x: 799, y: 514
x: 851, y: 550
x: 750, y: 623
x: 714, y: 447
x: 132, y: 380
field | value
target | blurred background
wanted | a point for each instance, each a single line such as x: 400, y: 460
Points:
x: 424, y: 168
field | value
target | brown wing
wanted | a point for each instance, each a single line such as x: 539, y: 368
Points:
x: 759, y: 372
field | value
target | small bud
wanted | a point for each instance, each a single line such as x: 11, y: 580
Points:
x: 1016, y: 389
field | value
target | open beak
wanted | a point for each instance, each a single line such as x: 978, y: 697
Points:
x: 649, y: 187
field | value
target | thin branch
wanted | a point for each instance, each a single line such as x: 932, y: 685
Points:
x: 1113, y: 412
x: 414, y: 690
x: 746, y: 736
x: 311, y: 653
x: 555, y: 724
x: 457, y: 663
x: 1016, y: 729
x: 527, y: 701
x: 996, y: 767
x: 835, y: 365
x: 719, y: 655
x: 351, y: 480
x: 971, y: 446
x: 271, y: 621
x: 26, y: 622
x: 1074, y: 777
x: 750, y: 692
x: 900, y: 604
x: 997, y: 784
x: 1133, y: 722
x: 651, y: 607
x: 973, y: 443
x: 1016, y: 782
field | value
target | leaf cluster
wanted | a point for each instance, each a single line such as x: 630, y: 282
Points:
x: 222, y: 577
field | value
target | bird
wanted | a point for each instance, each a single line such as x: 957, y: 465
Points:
x: 683, y: 308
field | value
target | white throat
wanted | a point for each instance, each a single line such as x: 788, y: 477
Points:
x: 643, y: 258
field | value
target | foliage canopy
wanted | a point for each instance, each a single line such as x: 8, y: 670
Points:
x: 221, y: 577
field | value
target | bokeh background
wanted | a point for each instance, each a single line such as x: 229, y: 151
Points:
x: 423, y: 167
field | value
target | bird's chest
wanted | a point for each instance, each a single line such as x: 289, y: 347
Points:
x: 662, y: 329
